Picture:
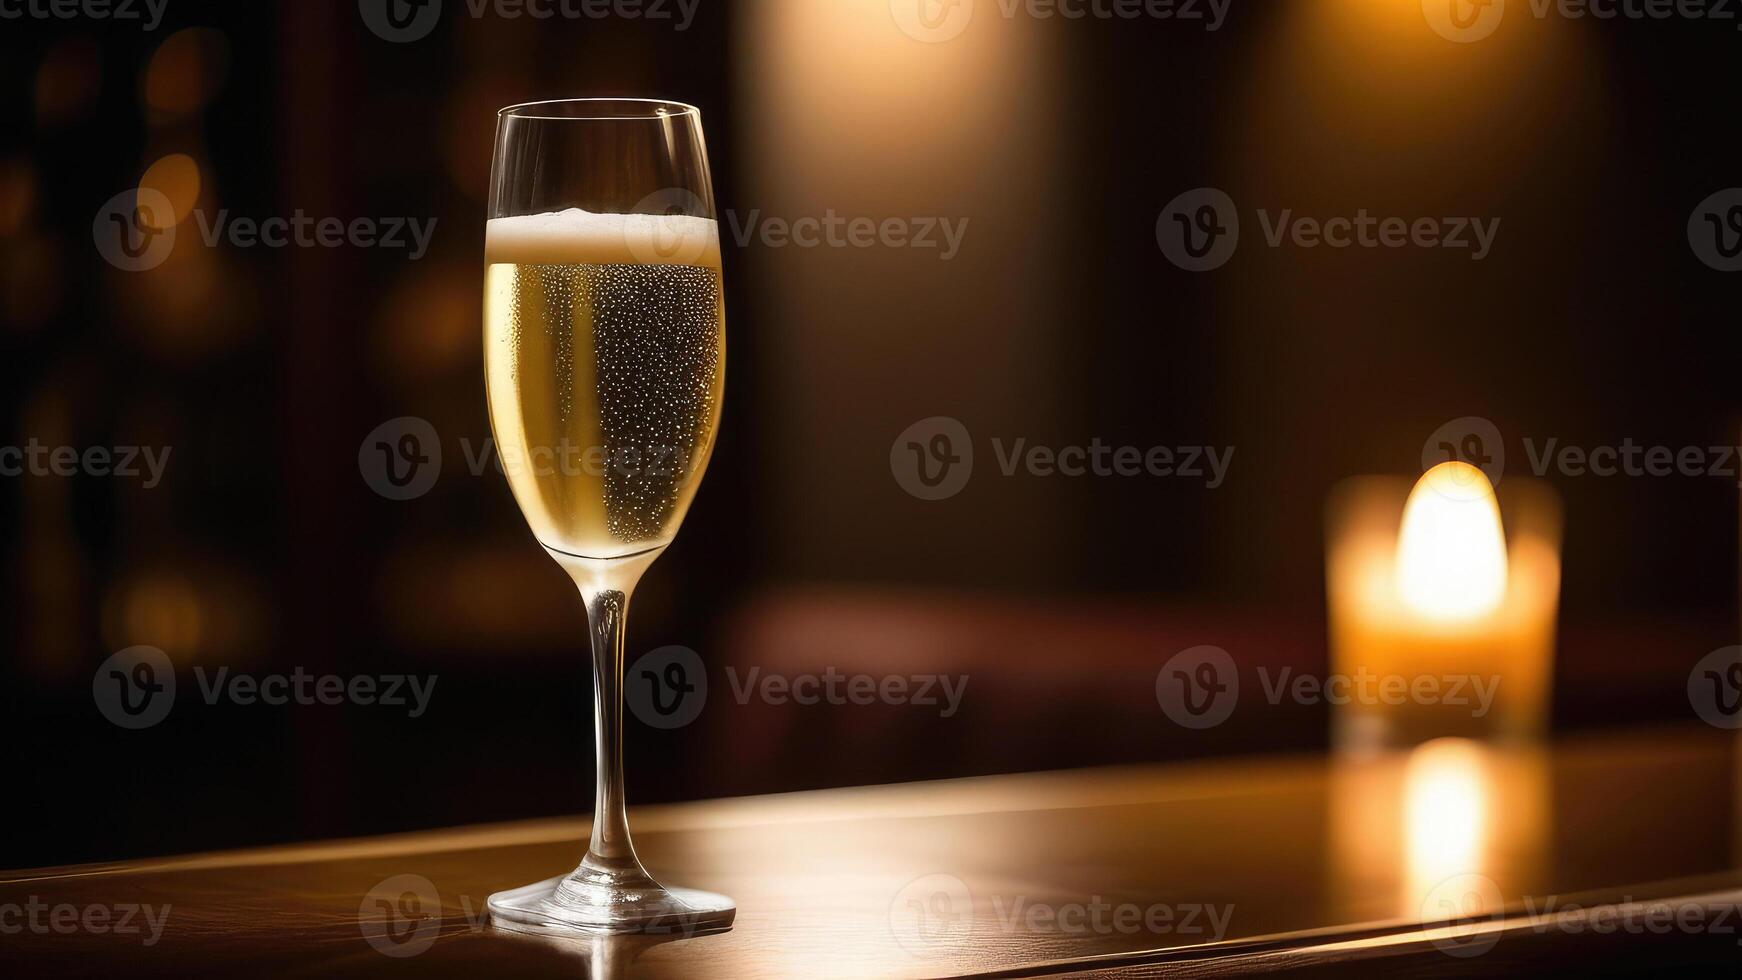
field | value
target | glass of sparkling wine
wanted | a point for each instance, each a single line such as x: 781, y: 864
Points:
x: 605, y: 360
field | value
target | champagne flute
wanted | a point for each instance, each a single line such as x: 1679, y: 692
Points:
x: 605, y: 359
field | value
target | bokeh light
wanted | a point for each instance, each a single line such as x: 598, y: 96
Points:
x: 186, y: 72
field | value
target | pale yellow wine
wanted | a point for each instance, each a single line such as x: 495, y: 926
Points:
x: 605, y: 358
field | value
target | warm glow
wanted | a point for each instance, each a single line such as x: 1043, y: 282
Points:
x: 17, y: 196
x: 162, y: 606
x: 427, y: 326
x: 1446, y: 810
x: 177, y: 177
x: 1451, y: 551
x: 186, y: 71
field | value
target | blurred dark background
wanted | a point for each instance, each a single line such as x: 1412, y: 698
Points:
x: 1060, y: 321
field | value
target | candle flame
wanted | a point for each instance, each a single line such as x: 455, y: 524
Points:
x: 1451, y: 552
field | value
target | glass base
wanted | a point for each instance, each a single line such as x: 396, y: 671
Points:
x: 568, y: 906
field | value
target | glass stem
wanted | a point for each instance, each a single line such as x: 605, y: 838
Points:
x: 610, y: 874
x: 611, y: 851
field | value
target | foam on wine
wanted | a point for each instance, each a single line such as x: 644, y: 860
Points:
x: 576, y: 236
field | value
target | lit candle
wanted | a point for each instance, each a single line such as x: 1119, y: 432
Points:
x: 1442, y: 607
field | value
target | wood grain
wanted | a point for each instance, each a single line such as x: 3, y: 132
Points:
x: 1209, y: 869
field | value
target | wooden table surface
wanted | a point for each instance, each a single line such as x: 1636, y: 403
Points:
x: 1219, y: 868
